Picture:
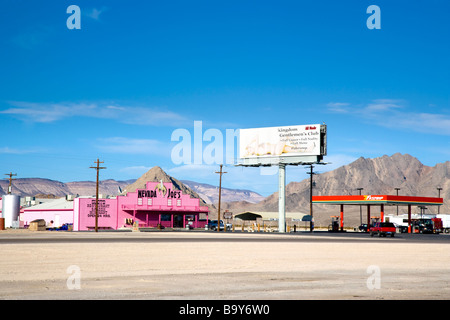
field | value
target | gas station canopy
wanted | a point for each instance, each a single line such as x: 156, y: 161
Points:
x: 377, y: 200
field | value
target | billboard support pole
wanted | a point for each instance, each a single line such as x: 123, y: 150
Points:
x: 281, y: 197
x: 282, y: 146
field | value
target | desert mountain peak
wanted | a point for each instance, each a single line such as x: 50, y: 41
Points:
x: 158, y: 174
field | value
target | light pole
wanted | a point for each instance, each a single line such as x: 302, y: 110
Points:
x: 360, y: 209
x: 439, y: 195
x: 396, y: 189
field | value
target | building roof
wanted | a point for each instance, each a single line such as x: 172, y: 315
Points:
x: 53, y: 204
x: 265, y: 215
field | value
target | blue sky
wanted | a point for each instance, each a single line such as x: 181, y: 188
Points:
x: 117, y: 88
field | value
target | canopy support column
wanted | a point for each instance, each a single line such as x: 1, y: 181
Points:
x: 409, y: 218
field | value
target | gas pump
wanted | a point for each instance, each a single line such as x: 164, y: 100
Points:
x: 334, y: 226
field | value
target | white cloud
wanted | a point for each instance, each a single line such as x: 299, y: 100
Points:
x: 421, y: 122
x: 47, y: 112
x: 94, y: 13
x: 392, y: 113
x: 384, y: 105
x: 133, y: 146
x: 338, y: 107
x: 8, y: 150
x: 51, y: 112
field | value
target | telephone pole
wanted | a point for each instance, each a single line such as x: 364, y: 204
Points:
x: 439, y: 195
x: 96, y: 192
x: 397, y: 189
x: 220, y: 192
x: 11, y: 175
x: 360, y: 208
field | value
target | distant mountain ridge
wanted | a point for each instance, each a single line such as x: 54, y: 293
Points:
x: 51, y: 188
x: 210, y: 193
x: 157, y: 174
x: 376, y: 176
x: 41, y: 186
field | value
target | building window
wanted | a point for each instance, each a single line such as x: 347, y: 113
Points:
x: 169, y: 202
x: 178, y: 202
x: 149, y: 201
x: 139, y: 201
x: 166, y: 217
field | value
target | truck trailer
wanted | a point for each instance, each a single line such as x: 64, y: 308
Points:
x: 445, y: 222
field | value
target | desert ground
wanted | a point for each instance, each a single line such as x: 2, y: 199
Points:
x: 196, y: 265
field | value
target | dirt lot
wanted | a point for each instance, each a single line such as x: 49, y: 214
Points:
x: 206, y: 265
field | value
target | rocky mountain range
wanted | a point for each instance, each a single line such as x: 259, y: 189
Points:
x: 376, y: 176
x: 46, y: 188
x: 210, y: 193
x: 157, y: 174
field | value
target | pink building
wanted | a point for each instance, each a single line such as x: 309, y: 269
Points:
x: 157, y: 204
x: 55, y: 212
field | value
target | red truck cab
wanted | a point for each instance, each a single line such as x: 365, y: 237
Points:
x: 382, y: 229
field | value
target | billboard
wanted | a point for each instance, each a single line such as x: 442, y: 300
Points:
x: 286, y: 141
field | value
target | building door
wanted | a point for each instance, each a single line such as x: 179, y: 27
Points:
x: 56, y: 221
x: 178, y: 221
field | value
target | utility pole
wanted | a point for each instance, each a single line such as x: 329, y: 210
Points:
x: 360, y: 208
x: 11, y: 175
x: 96, y: 192
x: 439, y: 195
x: 220, y: 192
x: 396, y: 189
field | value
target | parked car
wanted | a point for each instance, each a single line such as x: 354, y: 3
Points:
x: 363, y: 227
x: 212, y: 225
x: 401, y: 228
x: 382, y: 229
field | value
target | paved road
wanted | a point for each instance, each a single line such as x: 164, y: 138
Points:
x: 199, y: 236
x: 222, y: 266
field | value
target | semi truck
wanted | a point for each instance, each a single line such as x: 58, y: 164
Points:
x: 419, y: 223
x: 433, y: 225
x: 445, y: 222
